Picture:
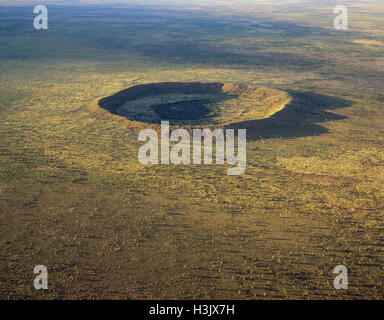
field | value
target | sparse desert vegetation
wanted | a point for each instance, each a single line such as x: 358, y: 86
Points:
x: 74, y: 197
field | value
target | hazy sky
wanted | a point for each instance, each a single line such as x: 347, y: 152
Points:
x: 151, y: 2
x: 234, y: 5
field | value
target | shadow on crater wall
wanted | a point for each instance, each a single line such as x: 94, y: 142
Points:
x: 113, y: 102
x: 298, y: 119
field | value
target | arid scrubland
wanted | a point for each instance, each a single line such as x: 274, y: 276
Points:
x: 74, y: 197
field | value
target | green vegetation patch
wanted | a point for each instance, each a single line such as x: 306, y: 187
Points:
x: 187, y: 110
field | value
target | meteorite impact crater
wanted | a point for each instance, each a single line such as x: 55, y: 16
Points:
x: 193, y: 104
